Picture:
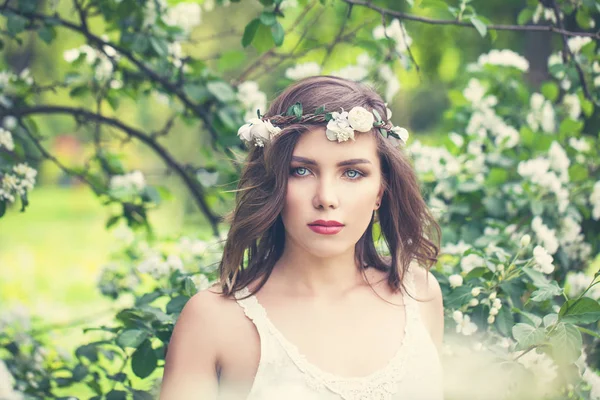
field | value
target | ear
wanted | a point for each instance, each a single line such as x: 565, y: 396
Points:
x: 379, y: 197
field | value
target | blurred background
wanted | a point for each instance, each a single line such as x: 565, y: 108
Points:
x: 128, y: 111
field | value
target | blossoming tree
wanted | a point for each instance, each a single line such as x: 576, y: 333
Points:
x: 514, y: 181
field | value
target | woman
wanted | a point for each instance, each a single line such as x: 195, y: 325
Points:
x: 307, y: 307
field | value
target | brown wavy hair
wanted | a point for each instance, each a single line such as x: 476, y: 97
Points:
x: 256, y: 238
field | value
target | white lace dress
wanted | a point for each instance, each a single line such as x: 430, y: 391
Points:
x: 414, y: 372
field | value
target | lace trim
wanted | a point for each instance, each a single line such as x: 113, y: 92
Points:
x: 381, y: 384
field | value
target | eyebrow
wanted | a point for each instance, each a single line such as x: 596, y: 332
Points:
x: 344, y: 163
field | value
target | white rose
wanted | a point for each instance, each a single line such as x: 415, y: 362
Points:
x: 338, y: 128
x: 259, y: 129
x: 244, y: 132
x: 361, y: 119
x: 273, y: 130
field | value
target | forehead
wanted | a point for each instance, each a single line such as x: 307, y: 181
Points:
x: 314, y: 144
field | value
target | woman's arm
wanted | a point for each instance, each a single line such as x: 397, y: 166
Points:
x: 432, y: 310
x: 192, y: 355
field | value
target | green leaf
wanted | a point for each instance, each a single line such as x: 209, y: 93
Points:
x: 504, y: 321
x: 578, y: 173
x: 79, y: 372
x: 550, y: 90
x: 295, y: 110
x: 159, y: 46
x: 547, y: 292
x: 587, y: 107
x: 221, y: 90
x: 143, y: 360
x: 2, y: 208
x: 89, y: 351
x: 320, y: 110
x: 268, y: 18
x: 496, y: 177
x: 47, y: 33
x: 176, y: 305
x: 231, y: 60
x: 570, y: 127
x: 15, y: 24
x: 524, y: 16
x: 566, y: 343
x: 580, y: 311
x: 189, y: 287
x: 458, y: 297
x: 250, y: 32
x: 148, y: 298
x: 526, y: 335
x: 550, y: 319
x: 479, y: 25
x: 131, y: 338
x: 263, y: 38
x: 116, y: 395
x: 141, y: 395
x: 278, y: 33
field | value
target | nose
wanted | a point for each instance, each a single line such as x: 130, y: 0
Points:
x: 326, y: 195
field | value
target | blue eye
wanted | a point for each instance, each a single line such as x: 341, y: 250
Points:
x: 296, y: 171
x: 353, y: 174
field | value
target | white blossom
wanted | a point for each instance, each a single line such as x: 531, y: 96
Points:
x: 352, y: 72
x: 184, y: 15
x: 304, y: 70
x: 6, y: 140
x: 546, y: 235
x: 338, y: 128
x: 573, y: 105
x: 470, y: 262
x: 133, y: 181
x: 506, y: 58
x: 286, y: 4
x: 576, y: 43
x: 458, y: 248
x: 595, y: 201
x: 543, y: 260
x: 577, y: 282
x: 392, y: 84
x: 541, y: 114
x: 464, y: 324
x: 201, y: 282
x: 71, y: 55
x: 455, y: 280
x: 542, y: 11
x: 525, y: 240
x: 253, y: 99
x: 580, y: 145
x: 541, y: 365
x: 395, y: 31
x: 9, y: 122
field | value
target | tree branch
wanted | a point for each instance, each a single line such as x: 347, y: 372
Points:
x: 79, y: 113
x: 411, y: 17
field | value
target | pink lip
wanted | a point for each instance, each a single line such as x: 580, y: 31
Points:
x: 326, y: 230
x: 326, y: 223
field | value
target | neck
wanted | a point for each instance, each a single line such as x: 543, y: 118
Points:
x: 310, y: 275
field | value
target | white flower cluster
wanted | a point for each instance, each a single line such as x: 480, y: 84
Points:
x: 392, y: 84
x: 551, y: 174
x: 18, y: 183
x: 101, y: 61
x: 505, y: 58
x: 572, y: 105
x: 463, y: 323
x: 495, y: 306
x: 576, y: 43
x: 303, y: 70
x: 572, y: 240
x: 7, y: 381
x: 543, y: 260
x: 595, y: 201
x: 6, y: 78
x: 253, y: 99
x: 343, y: 124
x: 6, y: 140
x: 155, y: 264
x: 593, y: 379
x: 470, y: 262
x: 435, y: 160
x: 455, y: 280
x: 183, y: 15
x: 131, y: 182
x: 577, y: 282
x: 258, y: 131
x: 541, y: 114
x: 547, y: 13
x: 485, y: 120
x: 546, y: 235
x: 395, y: 31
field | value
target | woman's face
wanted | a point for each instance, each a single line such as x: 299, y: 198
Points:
x: 335, y: 182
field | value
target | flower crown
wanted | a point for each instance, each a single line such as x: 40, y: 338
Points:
x: 340, y: 125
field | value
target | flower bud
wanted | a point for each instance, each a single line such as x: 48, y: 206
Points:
x: 491, y: 319
x: 493, y: 295
x: 525, y: 240
x: 457, y: 316
x: 475, y: 292
x: 493, y: 311
x: 473, y: 302
x: 497, y: 304
x: 455, y: 280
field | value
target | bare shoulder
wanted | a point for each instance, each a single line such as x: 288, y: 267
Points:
x: 194, y: 349
x: 431, y: 303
